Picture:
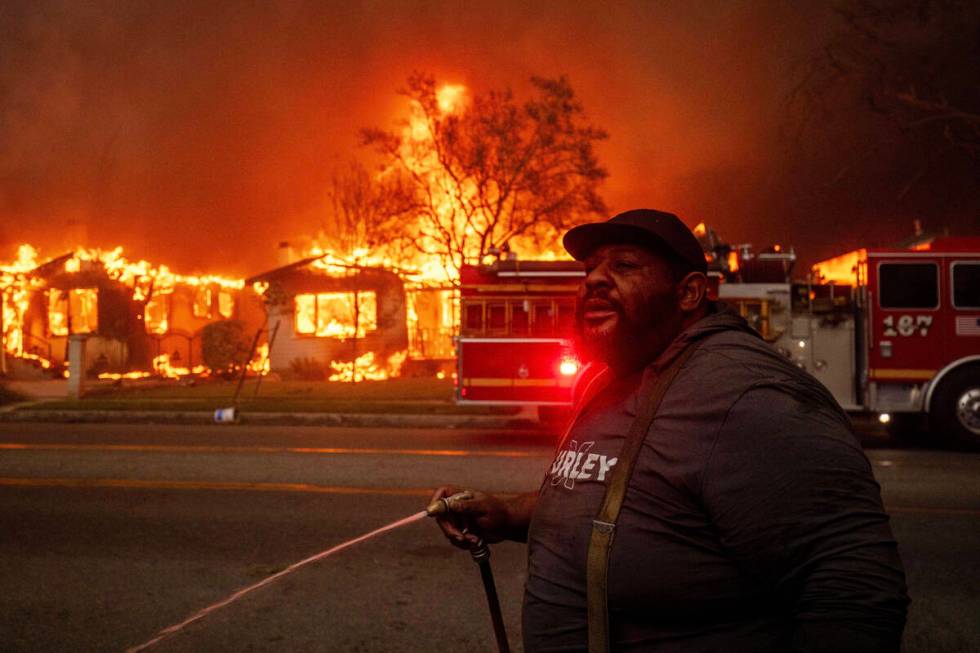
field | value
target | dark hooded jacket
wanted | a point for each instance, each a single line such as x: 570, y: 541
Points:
x: 752, y: 521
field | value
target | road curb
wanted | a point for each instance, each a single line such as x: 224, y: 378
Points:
x: 275, y: 419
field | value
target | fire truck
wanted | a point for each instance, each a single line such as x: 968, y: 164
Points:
x: 896, y: 332
x: 891, y: 332
x: 516, y: 323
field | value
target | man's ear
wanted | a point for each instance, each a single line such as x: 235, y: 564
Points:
x: 691, y: 291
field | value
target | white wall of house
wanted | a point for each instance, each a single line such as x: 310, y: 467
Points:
x: 290, y: 346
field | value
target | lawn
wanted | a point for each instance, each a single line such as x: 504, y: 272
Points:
x: 8, y: 396
x: 403, y: 395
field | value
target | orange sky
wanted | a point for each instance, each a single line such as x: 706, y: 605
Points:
x: 202, y: 134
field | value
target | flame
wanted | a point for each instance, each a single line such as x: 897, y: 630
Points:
x: 451, y: 97
x: 333, y: 314
x: 733, y: 263
x: 431, y: 276
x: 76, y: 309
x: 142, y: 276
x: 843, y: 269
x: 261, y: 364
x: 156, y: 314
x: 162, y: 366
x: 40, y: 360
x: 16, y: 288
x: 364, y: 368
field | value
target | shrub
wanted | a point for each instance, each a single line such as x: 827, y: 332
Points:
x: 225, y: 346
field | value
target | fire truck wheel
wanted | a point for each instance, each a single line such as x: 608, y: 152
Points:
x: 956, y: 407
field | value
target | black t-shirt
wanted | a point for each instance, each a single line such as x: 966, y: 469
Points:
x: 752, y: 521
x: 668, y: 581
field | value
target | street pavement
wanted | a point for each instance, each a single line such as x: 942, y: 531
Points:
x: 109, y: 533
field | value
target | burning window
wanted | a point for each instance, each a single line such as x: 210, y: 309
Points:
x: 156, y: 314
x: 75, y: 311
x: 202, y: 302
x: 226, y: 304
x: 336, y: 314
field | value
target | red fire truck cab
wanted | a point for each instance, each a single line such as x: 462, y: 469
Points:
x: 910, y: 332
x: 516, y: 323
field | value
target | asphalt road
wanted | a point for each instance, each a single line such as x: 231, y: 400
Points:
x: 110, y: 533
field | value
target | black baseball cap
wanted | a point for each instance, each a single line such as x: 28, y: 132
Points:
x: 646, y: 227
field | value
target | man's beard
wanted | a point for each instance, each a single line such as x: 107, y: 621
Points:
x: 629, y: 335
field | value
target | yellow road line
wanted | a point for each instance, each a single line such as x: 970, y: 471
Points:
x: 129, y: 484
x: 162, y: 448
x: 310, y: 488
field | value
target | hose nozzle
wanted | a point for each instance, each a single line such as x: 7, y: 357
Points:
x: 448, y: 504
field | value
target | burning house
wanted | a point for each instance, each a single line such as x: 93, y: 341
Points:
x: 344, y: 321
x: 341, y: 322
x: 135, y: 316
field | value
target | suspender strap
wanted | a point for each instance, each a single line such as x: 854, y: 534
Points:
x: 604, y: 525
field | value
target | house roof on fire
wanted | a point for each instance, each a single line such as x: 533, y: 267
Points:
x: 302, y: 264
x: 275, y: 273
x: 51, y: 266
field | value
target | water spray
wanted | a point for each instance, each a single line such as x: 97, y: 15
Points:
x: 200, y: 614
x: 481, y: 556
x: 443, y: 506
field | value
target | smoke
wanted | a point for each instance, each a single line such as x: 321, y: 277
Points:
x: 201, y: 134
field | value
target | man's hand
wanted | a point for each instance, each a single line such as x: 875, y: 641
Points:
x: 483, y: 516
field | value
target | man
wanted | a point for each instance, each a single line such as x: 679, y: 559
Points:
x: 751, y: 519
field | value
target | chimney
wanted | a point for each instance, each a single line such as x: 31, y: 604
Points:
x: 284, y: 255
